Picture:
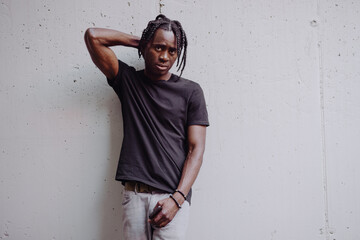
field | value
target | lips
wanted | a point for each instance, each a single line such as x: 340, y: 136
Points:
x: 161, y: 67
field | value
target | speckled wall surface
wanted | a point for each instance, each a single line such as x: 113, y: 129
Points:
x: 281, y: 80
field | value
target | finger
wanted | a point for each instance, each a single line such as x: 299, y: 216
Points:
x: 155, y: 212
x: 163, y: 223
x: 158, y: 218
x: 163, y: 220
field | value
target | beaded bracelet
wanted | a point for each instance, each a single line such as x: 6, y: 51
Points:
x: 172, y: 197
x: 182, y: 194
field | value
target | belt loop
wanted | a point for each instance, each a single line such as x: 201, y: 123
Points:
x: 136, y: 185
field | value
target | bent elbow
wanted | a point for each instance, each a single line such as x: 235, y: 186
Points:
x: 196, y: 148
x: 90, y: 34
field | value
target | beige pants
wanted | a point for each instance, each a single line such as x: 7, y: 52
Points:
x: 136, y: 210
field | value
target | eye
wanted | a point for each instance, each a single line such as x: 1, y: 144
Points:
x: 158, y: 48
x: 172, y: 51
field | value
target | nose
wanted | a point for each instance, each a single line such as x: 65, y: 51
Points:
x: 164, y: 56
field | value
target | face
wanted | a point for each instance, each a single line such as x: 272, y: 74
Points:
x: 160, y: 54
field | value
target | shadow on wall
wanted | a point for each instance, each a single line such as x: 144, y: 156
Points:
x: 110, y: 202
x: 109, y: 198
x: 101, y: 101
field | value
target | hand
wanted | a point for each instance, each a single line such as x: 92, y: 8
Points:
x: 168, y: 212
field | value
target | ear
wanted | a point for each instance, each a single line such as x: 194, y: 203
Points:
x: 142, y: 51
x: 143, y: 48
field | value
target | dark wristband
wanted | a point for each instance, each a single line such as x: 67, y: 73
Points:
x: 182, y: 194
x: 177, y: 204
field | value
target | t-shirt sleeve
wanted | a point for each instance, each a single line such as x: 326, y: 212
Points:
x: 197, y: 112
x: 116, y: 82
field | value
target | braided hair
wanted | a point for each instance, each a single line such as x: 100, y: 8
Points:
x: 161, y: 21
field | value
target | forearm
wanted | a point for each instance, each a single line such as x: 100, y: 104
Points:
x: 190, y: 171
x: 196, y: 143
x: 193, y: 162
x: 109, y: 37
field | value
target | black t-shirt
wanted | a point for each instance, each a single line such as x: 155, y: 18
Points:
x: 156, y: 115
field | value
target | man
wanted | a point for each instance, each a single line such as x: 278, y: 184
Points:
x: 165, y: 119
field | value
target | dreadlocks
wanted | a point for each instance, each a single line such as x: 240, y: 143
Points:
x: 169, y: 25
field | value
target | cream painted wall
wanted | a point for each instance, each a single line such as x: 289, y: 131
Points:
x: 282, y: 85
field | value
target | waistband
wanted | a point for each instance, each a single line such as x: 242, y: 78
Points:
x: 141, y: 187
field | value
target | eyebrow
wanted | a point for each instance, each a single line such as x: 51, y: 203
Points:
x: 159, y: 44
x: 162, y: 45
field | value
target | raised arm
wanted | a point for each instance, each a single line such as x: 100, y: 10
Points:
x: 99, y: 41
x: 193, y: 162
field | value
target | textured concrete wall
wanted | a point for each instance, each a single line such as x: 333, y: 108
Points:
x: 281, y: 80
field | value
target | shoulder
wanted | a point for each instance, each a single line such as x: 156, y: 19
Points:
x: 191, y: 89
x: 188, y: 85
x: 125, y: 73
